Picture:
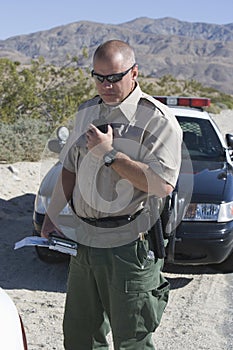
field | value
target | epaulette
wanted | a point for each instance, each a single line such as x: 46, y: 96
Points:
x: 90, y: 103
x: 148, y: 100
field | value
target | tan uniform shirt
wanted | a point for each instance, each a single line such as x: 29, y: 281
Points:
x: 145, y: 130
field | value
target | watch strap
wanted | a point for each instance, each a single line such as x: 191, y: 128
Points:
x: 109, y: 157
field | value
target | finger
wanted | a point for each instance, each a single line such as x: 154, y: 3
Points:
x: 89, y: 132
x: 92, y: 128
x: 110, y: 129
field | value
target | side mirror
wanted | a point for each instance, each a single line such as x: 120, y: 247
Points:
x: 56, y: 145
x: 229, y: 140
x: 63, y: 134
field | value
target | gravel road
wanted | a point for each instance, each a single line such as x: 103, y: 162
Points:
x: 199, y: 314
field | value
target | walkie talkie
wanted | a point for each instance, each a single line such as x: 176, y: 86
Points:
x: 101, y: 124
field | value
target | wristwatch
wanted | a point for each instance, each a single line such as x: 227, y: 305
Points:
x: 109, y: 157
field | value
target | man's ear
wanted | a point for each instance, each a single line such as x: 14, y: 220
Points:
x: 135, y: 72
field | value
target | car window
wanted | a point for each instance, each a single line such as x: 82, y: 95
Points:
x: 200, y: 138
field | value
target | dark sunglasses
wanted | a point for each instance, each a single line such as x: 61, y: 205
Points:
x: 111, y: 78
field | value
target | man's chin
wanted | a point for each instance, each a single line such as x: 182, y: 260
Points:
x: 110, y: 100
x: 112, y: 103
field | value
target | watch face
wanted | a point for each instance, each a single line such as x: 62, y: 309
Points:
x: 108, y: 159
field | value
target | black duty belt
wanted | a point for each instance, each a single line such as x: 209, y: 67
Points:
x: 111, y: 221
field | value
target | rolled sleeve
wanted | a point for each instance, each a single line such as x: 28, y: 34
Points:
x: 69, y: 161
x: 162, y: 146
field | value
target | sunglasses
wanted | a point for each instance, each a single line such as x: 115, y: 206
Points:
x: 111, y: 78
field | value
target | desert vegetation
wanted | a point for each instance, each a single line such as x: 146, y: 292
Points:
x: 37, y: 98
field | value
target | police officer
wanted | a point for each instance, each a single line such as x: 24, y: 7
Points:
x: 125, y: 147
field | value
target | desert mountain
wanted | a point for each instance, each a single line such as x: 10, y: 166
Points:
x: 199, y: 51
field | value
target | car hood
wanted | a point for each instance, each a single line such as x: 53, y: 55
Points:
x: 209, y: 181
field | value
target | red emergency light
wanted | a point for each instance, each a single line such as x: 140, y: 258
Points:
x: 197, y: 102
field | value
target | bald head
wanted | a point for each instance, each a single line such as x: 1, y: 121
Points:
x: 115, y: 50
x: 114, y: 59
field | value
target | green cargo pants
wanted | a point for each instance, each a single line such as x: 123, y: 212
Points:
x: 119, y: 289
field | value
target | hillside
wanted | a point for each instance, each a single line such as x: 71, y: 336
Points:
x: 197, y: 51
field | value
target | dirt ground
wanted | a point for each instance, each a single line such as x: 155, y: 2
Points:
x: 199, y: 315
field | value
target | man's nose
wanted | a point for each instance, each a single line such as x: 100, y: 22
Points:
x: 107, y: 84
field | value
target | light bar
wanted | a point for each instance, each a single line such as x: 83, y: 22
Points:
x: 197, y: 102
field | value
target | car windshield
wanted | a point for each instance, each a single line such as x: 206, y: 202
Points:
x: 200, y: 138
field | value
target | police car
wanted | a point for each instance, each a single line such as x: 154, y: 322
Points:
x: 203, y: 233
x: 203, y: 220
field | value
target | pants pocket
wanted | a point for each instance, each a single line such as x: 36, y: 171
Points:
x: 160, y: 301
x: 151, y: 305
x: 139, y: 292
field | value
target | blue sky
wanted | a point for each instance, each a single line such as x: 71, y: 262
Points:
x: 28, y: 16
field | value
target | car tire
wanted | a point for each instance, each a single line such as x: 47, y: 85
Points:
x: 51, y: 257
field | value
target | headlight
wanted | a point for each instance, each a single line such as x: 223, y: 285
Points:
x: 225, y: 212
x: 209, y: 212
x: 202, y: 211
x: 41, y: 204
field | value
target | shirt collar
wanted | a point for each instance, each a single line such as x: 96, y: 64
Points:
x: 129, y: 106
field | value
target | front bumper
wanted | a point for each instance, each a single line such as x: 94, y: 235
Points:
x: 197, y: 243
x: 194, y: 243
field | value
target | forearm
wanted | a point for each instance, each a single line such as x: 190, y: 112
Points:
x: 141, y: 176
